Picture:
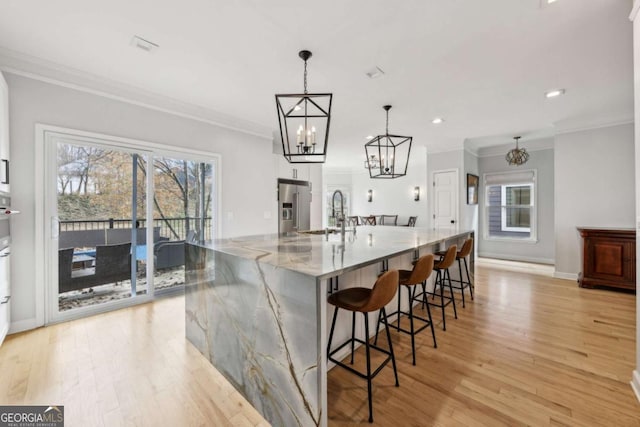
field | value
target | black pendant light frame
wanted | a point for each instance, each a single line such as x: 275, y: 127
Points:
x: 305, y: 110
x: 386, y: 148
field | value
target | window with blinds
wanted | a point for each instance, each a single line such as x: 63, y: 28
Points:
x: 509, y: 205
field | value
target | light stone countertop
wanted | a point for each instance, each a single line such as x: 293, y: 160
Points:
x: 322, y: 257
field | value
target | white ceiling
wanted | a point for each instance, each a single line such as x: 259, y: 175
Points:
x: 482, y: 65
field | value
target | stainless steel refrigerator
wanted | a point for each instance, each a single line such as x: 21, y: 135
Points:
x: 294, y: 205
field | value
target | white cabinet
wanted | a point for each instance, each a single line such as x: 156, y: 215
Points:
x: 4, y: 135
x: 299, y: 171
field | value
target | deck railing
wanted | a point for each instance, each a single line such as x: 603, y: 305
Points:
x: 172, y: 228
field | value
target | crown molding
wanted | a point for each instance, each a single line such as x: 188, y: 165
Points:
x: 561, y: 130
x: 530, y: 145
x: 56, y: 74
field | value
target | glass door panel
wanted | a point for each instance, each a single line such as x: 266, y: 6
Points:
x: 183, y: 194
x: 101, y: 196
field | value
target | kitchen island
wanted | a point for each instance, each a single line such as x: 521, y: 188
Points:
x: 256, y: 307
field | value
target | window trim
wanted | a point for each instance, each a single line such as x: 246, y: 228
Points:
x: 521, y: 177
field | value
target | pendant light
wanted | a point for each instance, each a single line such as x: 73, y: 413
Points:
x: 517, y: 156
x: 304, y: 122
x: 392, y: 152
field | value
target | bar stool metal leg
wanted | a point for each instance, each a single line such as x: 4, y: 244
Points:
x: 466, y: 268
x: 461, y: 282
x: 426, y: 303
x: 453, y: 300
x: 413, y: 335
x: 367, y: 351
x: 393, y: 357
x: 353, y: 334
x: 333, y: 325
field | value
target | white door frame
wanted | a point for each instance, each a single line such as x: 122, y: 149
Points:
x: 45, y: 228
x: 457, y: 198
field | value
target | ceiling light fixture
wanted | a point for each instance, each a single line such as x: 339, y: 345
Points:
x: 304, y: 122
x: 437, y: 120
x: 143, y: 44
x: 554, y: 93
x: 517, y: 156
x: 393, y: 152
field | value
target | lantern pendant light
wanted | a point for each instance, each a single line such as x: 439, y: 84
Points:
x: 392, y: 152
x: 304, y: 122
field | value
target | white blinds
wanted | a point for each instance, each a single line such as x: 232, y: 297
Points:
x: 517, y: 177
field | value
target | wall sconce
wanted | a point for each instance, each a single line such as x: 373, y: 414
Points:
x: 370, y: 196
x: 416, y: 193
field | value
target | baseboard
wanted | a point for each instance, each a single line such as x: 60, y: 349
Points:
x: 635, y: 384
x: 568, y: 276
x: 517, y: 258
x: 23, y: 325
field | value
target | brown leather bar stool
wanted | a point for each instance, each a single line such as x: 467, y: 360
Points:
x: 461, y: 256
x: 422, y: 269
x: 442, y: 274
x: 365, y: 300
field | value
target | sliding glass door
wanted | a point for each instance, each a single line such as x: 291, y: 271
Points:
x: 120, y: 218
x: 101, y: 197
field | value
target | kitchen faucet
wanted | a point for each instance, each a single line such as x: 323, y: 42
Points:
x: 341, y: 214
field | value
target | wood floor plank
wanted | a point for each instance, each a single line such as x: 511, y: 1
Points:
x: 530, y: 350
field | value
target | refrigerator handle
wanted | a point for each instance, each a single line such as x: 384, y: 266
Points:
x: 297, y: 213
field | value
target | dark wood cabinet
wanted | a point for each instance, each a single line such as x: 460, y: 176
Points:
x: 608, y: 258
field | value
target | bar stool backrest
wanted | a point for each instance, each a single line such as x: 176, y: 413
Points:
x: 449, y: 257
x: 421, y: 270
x: 466, y: 248
x: 383, y: 291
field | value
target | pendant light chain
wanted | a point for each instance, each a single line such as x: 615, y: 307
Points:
x: 305, y: 77
x: 387, y: 128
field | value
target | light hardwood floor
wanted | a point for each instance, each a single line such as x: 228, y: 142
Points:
x: 531, y: 350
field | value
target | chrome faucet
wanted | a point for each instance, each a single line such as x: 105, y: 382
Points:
x: 339, y: 217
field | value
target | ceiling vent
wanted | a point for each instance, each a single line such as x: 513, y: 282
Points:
x: 375, y: 72
x: 143, y: 44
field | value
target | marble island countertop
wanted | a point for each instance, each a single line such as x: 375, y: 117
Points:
x: 322, y: 256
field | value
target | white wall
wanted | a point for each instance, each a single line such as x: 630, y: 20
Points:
x: 248, y: 181
x: 469, y: 213
x: 394, y: 196
x: 542, y: 251
x: 594, y: 186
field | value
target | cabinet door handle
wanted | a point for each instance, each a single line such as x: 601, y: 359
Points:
x: 5, y: 180
x: 6, y: 300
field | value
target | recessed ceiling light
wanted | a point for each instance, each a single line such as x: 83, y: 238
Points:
x: 375, y: 72
x: 143, y: 44
x: 554, y: 93
x: 369, y: 137
x: 437, y: 120
x: 551, y: 1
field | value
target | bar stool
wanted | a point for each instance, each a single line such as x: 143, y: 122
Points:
x: 442, y: 274
x: 365, y: 300
x: 461, y: 256
x: 422, y: 269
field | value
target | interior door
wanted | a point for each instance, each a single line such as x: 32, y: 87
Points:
x: 445, y: 190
